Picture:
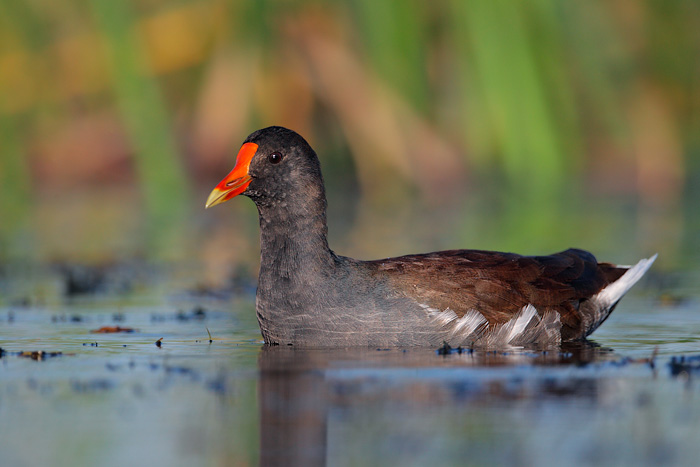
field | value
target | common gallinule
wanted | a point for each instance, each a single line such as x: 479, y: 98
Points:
x: 309, y: 296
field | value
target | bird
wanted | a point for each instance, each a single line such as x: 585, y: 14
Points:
x: 309, y: 296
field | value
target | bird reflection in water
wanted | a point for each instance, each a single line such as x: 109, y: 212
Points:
x: 302, y: 391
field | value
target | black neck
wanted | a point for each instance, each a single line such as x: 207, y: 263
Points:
x: 293, y: 238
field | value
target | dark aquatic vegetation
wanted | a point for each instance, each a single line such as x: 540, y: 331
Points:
x: 118, y: 317
x: 63, y: 318
x: 81, y: 279
x: 37, y: 355
x: 447, y: 350
x: 197, y: 313
x: 684, y: 365
x: 107, y: 278
x: 92, y: 385
x: 112, y: 330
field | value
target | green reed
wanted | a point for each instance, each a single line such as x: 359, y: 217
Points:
x: 531, y: 94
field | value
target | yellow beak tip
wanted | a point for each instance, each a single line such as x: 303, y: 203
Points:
x: 216, y: 197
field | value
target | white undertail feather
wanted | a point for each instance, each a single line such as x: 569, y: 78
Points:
x: 469, y: 327
x: 525, y: 328
x: 520, y: 321
x: 612, y: 294
x: 542, y: 331
x: 443, y: 317
x: 462, y: 331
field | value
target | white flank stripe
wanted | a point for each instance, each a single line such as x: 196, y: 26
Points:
x: 443, y: 317
x: 468, y: 324
x: 522, y: 319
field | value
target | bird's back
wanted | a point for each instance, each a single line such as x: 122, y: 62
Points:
x: 500, y: 286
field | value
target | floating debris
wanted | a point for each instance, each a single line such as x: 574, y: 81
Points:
x: 651, y: 361
x: 112, y: 329
x: 118, y: 317
x: 684, y: 365
x: 218, y: 384
x: 34, y: 355
x: 199, y: 313
x: 196, y: 313
x: 64, y: 318
x: 39, y: 354
x: 91, y: 344
x: 80, y: 279
x: 182, y: 370
x: 241, y: 282
x: 159, y: 342
x: 90, y: 279
x: 446, y: 349
x: 157, y: 318
x: 95, y: 385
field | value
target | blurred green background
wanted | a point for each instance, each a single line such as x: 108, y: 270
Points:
x: 528, y: 126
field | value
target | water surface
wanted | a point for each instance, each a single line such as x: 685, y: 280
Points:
x: 118, y: 399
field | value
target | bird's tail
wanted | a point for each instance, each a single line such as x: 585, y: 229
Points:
x: 604, y: 302
x: 612, y: 293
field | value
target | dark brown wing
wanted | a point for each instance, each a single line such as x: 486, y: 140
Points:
x: 498, y: 285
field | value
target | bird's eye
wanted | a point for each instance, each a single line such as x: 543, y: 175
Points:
x: 275, y: 158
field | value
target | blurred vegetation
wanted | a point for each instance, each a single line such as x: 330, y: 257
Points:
x: 539, y: 105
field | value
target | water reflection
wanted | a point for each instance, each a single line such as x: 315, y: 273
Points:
x: 302, y: 391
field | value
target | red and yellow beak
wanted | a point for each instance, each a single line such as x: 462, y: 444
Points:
x: 237, y: 181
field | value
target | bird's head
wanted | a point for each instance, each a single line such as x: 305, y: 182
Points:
x: 272, y: 165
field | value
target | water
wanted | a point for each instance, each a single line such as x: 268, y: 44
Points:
x: 126, y: 401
